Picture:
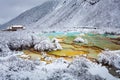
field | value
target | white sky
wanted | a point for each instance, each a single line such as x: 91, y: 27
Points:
x: 9, y: 9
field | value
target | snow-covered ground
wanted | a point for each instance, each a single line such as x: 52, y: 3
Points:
x: 80, y: 69
x: 13, y: 67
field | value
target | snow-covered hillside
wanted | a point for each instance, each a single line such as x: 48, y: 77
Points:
x: 71, y: 13
x: 33, y: 15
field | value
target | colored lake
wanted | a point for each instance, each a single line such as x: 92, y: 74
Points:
x: 96, y: 43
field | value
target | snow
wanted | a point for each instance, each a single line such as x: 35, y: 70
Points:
x: 44, y: 45
x: 47, y: 45
x: 61, y: 16
x: 25, y: 56
x: 24, y: 40
x: 118, y: 71
x: 31, y: 16
x: 18, y: 68
x: 66, y: 14
x: 101, y: 71
x: 81, y: 68
x: 56, y: 44
x: 13, y: 67
x: 80, y: 40
x: 110, y: 58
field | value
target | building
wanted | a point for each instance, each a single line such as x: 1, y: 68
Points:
x: 15, y: 28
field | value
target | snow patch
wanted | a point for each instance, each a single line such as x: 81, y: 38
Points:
x: 110, y: 58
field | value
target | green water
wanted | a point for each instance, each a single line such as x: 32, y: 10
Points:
x: 96, y: 43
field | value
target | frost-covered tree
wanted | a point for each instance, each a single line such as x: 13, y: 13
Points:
x: 56, y: 44
x: 110, y: 58
x: 19, y: 44
x: 4, y: 50
x: 21, y: 65
x: 77, y: 70
x: 14, y: 68
x: 44, y: 45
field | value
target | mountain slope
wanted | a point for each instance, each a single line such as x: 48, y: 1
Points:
x: 73, y: 13
x: 91, y: 13
x: 33, y: 15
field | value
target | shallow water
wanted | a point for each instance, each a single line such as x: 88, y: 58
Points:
x: 96, y: 43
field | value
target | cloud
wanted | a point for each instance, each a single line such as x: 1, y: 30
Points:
x: 12, y: 8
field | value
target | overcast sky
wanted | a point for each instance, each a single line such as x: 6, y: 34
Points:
x: 12, y: 8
